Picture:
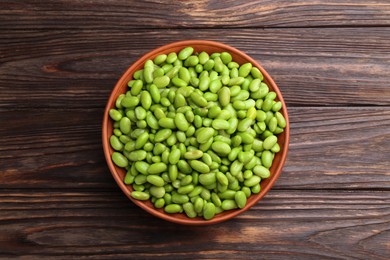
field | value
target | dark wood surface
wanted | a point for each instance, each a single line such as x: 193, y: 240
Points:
x: 59, y: 60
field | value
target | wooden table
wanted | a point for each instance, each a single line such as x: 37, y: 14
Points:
x: 59, y: 60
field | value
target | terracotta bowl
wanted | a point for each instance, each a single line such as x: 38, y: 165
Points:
x: 121, y: 87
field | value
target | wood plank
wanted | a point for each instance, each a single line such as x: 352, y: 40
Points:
x: 122, y: 14
x: 312, y: 67
x: 331, y: 148
x: 92, y: 224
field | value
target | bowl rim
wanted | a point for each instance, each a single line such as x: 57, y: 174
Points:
x: 106, y: 145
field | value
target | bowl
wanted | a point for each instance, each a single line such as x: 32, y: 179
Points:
x: 121, y: 87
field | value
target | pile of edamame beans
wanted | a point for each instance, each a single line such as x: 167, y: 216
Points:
x: 196, y: 133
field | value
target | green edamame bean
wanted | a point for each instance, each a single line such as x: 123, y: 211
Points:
x: 214, y: 111
x: 245, y: 69
x: 275, y: 148
x: 246, y: 137
x: 280, y: 119
x: 236, y: 167
x: 199, y: 166
x: 166, y: 122
x: 141, y: 140
x: 267, y: 158
x: 115, y: 114
x: 195, y: 192
x: 130, y: 146
x: 226, y: 57
x: 252, y: 181
x: 215, y: 199
x: 207, y: 178
x: 254, y: 86
x: 240, y: 199
x: 273, y: 123
x: 255, y: 72
x: 159, y: 203
x: 191, y: 61
x: 261, y: 171
x: 269, y: 142
x: 162, y: 135
x: 152, y: 121
x: 198, y: 205
x: 148, y: 74
x: 119, y: 159
x: 203, y: 57
x: 224, y: 96
x: 204, y: 134
x: 157, y: 168
x: 159, y: 148
x: 185, y: 53
x: 174, y: 156
x: 115, y: 143
x: 252, y: 163
x: 215, y: 85
x: 234, y: 152
x: 198, y: 99
x: 228, y: 204
x: 171, y: 58
x: 186, y: 189
x: 142, y: 167
x: 277, y: 106
x: 196, y: 154
x: 211, y: 97
x: 173, y: 172
x: 154, y: 93
x: 225, y: 114
x: 140, y: 195
x: 204, y: 83
x: 220, y: 124
x: 181, y: 122
x: 124, y: 139
x: 233, y: 123
x: 221, y: 148
x: 173, y: 208
x: 129, y: 102
x: 236, y: 80
x: 245, y: 157
x: 222, y: 178
x: 129, y: 179
x: 256, y: 189
x: 119, y: 100
x: 138, y: 74
x: 267, y: 105
x: 209, y: 211
x: 179, y: 198
x: 117, y: 132
x: 160, y: 59
x: 184, y: 167
x: 157, y: 192
x: 189, y: 209
x: 161, y: 82
x: 209, y: 65
x: 155, y: 180
x: 136, y: 87
x: 244, y: 124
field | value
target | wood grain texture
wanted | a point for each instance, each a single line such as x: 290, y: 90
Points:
x: 78, y: 69
x: 122, y: 14
x: 105, y: 224
x: 331, y: 148
x: 59, y: 61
